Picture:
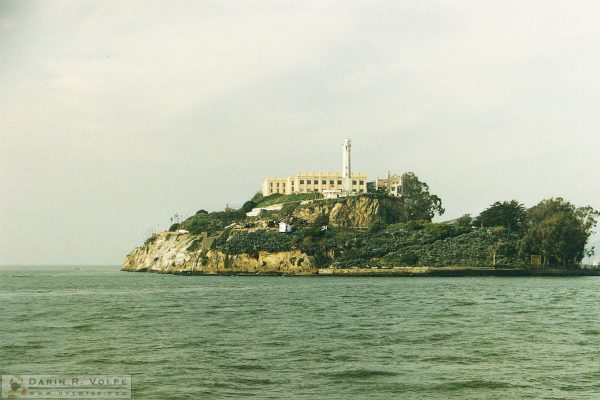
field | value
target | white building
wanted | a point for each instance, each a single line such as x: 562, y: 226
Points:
x: 392, y: 184
x: 331, y: 184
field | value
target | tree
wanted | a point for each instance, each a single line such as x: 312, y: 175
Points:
x: 509, y: 214
x: 258, y: 196
x: 465, y: 221
x: 321, y: 220
x: 421, y: 205
x: 558, y: 231
x: 248, y: 206
x: 371, y: 188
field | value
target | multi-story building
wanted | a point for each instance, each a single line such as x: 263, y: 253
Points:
x: 392, y: 184
x: 314, y: 182
x: 331, y: 184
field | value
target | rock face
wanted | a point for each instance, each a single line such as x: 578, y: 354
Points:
x: 181, y: 252
x: 354, y: 212
x: 173, y: 252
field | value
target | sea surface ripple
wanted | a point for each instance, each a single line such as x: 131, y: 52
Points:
x: 235, y: 337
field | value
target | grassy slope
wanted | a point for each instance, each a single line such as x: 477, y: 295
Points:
x: 423, y: 244
x: 282, y: 198
x: 405, y: 244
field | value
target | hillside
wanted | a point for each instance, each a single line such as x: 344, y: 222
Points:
x: 367, y: 231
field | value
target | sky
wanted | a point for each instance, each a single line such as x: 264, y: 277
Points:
x: 116, y: 115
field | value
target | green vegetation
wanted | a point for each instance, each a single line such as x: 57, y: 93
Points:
x: 554, y: 228
x: 422, y: 204
x: 289, y: 208
x: 558, y: 231
x: 282, y: 198
x: 212, y: 222
x: 253, y: 242
x: 400, y: 232
x: 509, y: 214
x: 150, y: 240
x: 423, y: 243
x: 248, y: 206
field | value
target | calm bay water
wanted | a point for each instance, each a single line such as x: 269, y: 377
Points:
x: 306, y: 337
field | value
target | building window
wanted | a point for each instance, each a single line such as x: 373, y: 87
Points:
x: 302, y: 181
x: 277, y: 184
x: 339, y: 182
x: 354, y: 182
x: 331, y: 182
x: 324, y: 182
x: 308, y: 182
x: 362, y: 182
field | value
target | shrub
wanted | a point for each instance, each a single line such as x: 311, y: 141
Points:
x: 150, y: 240
x: 465, y: 221
x: 321, y: 220
x: 248, y: 206
x: 377, y: 226
x: 312, y: 232
x: 212, y: 222
x: 174, y: 227
x: 258, y: 196
x: 289, y: 208
x: 321, y: 260
x: 409, y: 258
x: 277, y: 198
x: 253, y: 242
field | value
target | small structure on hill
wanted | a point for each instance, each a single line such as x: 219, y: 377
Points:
x: 284, y: 227
x: 392, y: 185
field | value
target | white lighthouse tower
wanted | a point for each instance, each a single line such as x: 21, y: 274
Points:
x: 347, y: 171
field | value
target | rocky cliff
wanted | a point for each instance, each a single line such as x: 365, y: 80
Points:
x: 361, y: 235
x: 175, y: 252
x: 172, y: 252
x: 354, y: 212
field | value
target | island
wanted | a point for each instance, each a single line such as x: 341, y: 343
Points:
x: 341, y: 224
x: 371, y: 234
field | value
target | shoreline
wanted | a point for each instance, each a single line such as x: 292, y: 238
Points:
x: 401, y: 272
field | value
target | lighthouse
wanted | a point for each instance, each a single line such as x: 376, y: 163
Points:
x: 346, y: 169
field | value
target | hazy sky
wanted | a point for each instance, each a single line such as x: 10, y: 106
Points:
x: 115, y: 115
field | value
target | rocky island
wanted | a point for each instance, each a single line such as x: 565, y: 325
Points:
x: 372, y: 234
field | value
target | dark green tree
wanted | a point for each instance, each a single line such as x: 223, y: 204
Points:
x: 321, y: 220
x: 558, y: 231
x: 465, y: 221
x: 371, y: 188
x: 509, y: 214
x: 248, y: 206
x: 258, y: 196
x: 420, y: 204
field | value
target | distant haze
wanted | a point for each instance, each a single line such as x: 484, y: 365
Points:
x: 116, y: 115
